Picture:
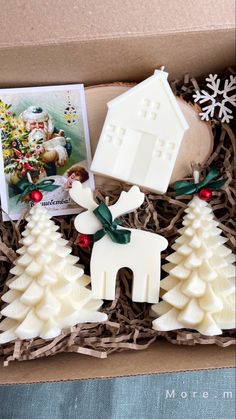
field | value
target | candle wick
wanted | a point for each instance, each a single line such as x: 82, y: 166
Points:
x: 29, y: 177
x: 196, y: 176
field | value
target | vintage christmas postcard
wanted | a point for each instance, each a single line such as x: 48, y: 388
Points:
x: 44, y: 146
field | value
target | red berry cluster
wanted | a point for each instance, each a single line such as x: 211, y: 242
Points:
x: 36, y: 196
x: 83, y: 241
x: 205, y: 194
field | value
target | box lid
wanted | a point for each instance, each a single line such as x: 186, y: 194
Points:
x: 85, y: 20
x: 110, y: 40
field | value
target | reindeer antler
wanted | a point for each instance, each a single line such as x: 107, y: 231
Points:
x: 127, y: 202
x: 82, y: 196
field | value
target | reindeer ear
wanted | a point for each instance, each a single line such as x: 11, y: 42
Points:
x: 75, y: 191
x: 87, y: 223
x: 82, y: 196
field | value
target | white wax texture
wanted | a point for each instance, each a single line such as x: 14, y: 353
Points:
x: 49, y: 290
x: 141, y: 135
x: 199, y: 291
x: 141, y: 254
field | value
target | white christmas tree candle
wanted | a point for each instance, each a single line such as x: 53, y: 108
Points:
x: 49, y: 290
x: 199, y: 291
x: 141, y: 254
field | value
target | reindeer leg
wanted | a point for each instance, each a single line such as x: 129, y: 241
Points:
x: 110, y: 284
x: 140, y: 282
x: 146, y: 285
x: 153, y: 285
x: 103, y: 284
x: 98, y: 283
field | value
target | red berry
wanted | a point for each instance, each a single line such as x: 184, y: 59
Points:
x: 83, y: 240
x: 36, y: 195
x: 205, y: 194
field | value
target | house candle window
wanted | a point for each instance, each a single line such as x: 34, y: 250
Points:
x: 141, y: 135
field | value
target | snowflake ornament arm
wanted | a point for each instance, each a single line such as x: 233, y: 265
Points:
x: 214, y: 84
x: 207, y: 111
x: 218, y: 98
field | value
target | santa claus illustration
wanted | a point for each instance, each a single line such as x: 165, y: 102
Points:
x: 45, y: 139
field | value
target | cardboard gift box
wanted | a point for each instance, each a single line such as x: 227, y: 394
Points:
x: 43, y: 43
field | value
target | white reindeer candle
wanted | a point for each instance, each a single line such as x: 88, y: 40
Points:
x: 116, y: 247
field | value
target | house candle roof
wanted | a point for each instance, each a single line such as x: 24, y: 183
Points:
x: 141, y: 135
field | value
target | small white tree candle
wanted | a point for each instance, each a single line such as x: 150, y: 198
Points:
x: 49, y: 290
x: 199, y: 291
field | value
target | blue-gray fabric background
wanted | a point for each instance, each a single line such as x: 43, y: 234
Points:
x: 190, y: 395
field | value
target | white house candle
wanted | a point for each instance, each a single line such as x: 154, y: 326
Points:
x: 141, y: 253
x: 141, y: 135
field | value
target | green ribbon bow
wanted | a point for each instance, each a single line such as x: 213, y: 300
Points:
x: 189, y: 188
x: 24, y: 187
x: 104, y: 215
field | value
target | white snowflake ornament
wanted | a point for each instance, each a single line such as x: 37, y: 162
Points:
x: 220, y: 98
